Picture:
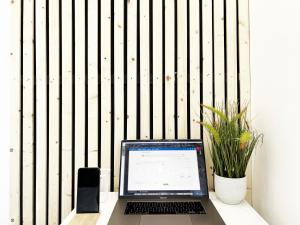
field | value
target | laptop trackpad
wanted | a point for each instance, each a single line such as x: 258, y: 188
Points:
x: 165, y: 220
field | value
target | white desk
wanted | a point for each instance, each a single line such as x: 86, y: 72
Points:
x: 232, y: 214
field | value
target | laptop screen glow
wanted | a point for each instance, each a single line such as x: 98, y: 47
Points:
x: 163, y: 169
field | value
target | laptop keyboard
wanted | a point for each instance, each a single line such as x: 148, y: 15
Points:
x: 164, y: 208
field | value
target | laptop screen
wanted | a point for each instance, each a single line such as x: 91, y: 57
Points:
x: 163, y: 168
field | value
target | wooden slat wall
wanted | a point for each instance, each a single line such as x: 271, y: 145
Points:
x: 194, y: 67
x: 54, y: 76
x: 169, y: 33
x: 91, y: 73
x: 66, y: 104
x: 182, y: 73
x: 244, y: 71
x: 16, y: 113
x: 207, y: 73
x: 28, y: 153
x: 131, y: 75
x: 41, y: 112
x: 118, y: 84
x: 92, y: 82
x: 144, y: 70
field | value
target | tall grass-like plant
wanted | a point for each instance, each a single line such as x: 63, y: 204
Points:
x: 232, y: 141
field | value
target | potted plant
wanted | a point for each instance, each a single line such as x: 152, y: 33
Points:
x: 231, y: 144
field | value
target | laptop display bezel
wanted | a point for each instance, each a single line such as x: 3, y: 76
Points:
x: 123, y: 185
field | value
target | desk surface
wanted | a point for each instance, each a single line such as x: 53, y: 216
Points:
x: 231, y: 214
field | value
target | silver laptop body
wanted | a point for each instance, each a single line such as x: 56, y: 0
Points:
x: 163, y: 182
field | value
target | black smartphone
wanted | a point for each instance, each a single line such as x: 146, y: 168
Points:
x: 88, y: 190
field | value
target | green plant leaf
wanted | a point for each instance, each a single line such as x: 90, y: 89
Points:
x: 239, y: 115
x: 245, y: 137
x: 212, y: 131
x: 216, y: 111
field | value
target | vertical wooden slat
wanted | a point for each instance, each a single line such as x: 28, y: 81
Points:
x: 157, y: 69
x: 219, y: 52
x: 145, y: 69
x: 119, y: 80
x: 79, y: 87
x: 41, y: 112
x: 131, y: 68
x: 207, y: 75
x: 28, y: 114
x: 92, y: 83
x: 244, y: 53
x: 54, y: 111
x: 231, y: 50
x: 194, y: 68
x: 169, y: 68
x: 245, y: 81
x: 66, y: 107
x: 105, y: 83
x: 182, y: 69
x: 15, y: 57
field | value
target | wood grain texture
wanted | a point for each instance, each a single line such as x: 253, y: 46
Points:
x: 182, y: 69
x: 92, y: 83
x: 194, y: 68
x: 231, y: 50
x: 53, y: 111
x: 219, y: 52
x: 207, y: 78
x: 145, y: 70
x: 244, y: 60
x: 157, y: 69
x: 41, y: 112
x: 119, y: 82
x: 131, y: 69
x: 169, y: 68
x: 79, y: 87
x: 105, y: 83
x: 85, y: 219
x: 66, y: 107
x: 28, y: 33
x: 15, y: 113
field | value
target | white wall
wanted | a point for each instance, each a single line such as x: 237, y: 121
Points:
x: 275, y: 71
x: 4, y: 114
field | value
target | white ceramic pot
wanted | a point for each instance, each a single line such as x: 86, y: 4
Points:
x: 230, y: 190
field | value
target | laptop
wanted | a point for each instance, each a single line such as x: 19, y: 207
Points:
x: 163, y: 182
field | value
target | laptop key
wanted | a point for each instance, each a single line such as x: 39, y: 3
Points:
x: 155, y: 208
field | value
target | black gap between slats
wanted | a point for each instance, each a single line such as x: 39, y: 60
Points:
x: 138, y: 73
x: 188, y: 73
x: 201, y: 64
x: 238, y: 58
x: 60, y: 117
x: 48, y: 112
x: 225, y: 54
x: 112, y: 115
x: 125, y: 69
x: 175, y: 71
x: 21, y: 110
x: 213, y: 57
x: 86, y: 77
x: 99, y: 83
x: 151, y: 65
x: 163, y: 70
x: 34, y: 114
x: 73, y: 103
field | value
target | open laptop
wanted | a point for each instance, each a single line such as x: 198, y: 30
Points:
x: 163, y: 182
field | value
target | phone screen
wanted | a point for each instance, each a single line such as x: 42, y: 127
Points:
x: 88, y: 190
